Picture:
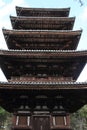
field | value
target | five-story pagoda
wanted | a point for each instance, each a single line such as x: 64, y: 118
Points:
x: 42, y: 66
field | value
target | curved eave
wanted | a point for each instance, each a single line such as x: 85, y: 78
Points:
x: 63, y: 40
x: 44, y: 85
x: 62, y: 33
x: 61, y: 12
x: 49, y: 23
x: 44, y: 53
x: 71, y: 63
x: 74, y: 94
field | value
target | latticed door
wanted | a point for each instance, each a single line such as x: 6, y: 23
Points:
x: 41, y: 123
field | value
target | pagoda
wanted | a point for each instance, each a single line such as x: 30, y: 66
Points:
x: 42, y: 66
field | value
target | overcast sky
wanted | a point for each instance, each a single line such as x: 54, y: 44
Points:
x: 7, y: 8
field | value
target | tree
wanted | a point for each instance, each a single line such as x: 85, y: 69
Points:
x: 3, y: 116
x: 79, y: 119
x: 81, y: 2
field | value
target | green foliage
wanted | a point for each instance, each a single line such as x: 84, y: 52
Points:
x: 79, y: 119
x: 3, y: 116
x: 83, y: 112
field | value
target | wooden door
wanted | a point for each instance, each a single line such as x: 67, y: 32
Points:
x: 41, y: 123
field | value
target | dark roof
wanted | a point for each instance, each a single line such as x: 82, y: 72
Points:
x: 38, y: 39
x: 18, y: 63
x: 46, y: 23
x: 44, y: 53
x: 74, y: 95
x: 42, y: 12
x: 49, y: 85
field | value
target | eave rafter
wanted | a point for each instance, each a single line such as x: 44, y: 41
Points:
x: 55, y: 39
x: 42, y: 53
x: 71, y: 94
x: 63, y: 63
x: 62, y: 12
x: 69, y: 86
x: 49, y: 23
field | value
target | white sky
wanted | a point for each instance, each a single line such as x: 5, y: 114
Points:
x: 7, y: 8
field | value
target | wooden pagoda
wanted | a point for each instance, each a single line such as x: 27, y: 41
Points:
x: 42, y: 66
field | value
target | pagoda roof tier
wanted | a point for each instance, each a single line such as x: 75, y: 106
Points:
x: 73, y: 95
x: 42, y: 12
x: 46, y: 23
x: 60, y: 63
x: 38, y: 39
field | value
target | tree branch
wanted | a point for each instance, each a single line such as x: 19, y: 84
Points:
x: 81, y: 2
